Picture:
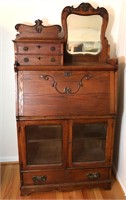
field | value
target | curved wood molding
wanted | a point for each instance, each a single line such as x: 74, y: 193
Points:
x: 38, y: 31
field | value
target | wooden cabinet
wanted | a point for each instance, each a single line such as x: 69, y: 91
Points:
x: 65, y: 108
x: 70, y: 153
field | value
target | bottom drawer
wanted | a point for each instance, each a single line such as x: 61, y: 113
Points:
x: 65, y: 176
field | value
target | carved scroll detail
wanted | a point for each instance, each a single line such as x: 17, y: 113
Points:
x: 67, y: 89
x: 86, y: 8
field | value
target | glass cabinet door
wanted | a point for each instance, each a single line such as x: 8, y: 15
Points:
x: 89, y: 142
x: 44, y: 143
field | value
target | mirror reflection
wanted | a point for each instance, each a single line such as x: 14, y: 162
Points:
x: 84, y: 34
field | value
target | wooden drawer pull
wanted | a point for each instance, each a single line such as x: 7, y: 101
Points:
x: 26, y: 59
x: 25, y: 48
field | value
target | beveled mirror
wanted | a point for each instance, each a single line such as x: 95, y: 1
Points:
x: 84, y: 31
x: 84, y: 34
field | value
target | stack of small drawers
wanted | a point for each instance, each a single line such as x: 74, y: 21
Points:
x: 39, y: 53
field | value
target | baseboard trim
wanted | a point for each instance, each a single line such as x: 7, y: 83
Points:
x: 8, y: 159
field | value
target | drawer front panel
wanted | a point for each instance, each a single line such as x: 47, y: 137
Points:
x: 50, y: 49
x: 39, y: 60
x: 65, y: 176
x: 58, y: 93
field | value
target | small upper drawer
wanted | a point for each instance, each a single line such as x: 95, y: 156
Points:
x: 39, y: 59
x: 42, y: 48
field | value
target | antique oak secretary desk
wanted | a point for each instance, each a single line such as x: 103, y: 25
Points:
x: 65, y: 101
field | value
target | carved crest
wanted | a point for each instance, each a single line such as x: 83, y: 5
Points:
x: 38, y: 31
x: 85, y: 9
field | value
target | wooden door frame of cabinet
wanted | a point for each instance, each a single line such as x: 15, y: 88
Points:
x: 21, y: 124
x: 109, y: 143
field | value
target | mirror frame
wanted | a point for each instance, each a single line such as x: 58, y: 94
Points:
x: 86, y: 9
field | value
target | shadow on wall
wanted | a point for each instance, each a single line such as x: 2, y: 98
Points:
x: 120, y: 110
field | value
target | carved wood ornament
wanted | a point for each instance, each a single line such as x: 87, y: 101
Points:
x: 38, y: 31
x: 67, y: 89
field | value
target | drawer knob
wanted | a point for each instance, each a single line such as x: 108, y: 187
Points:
x: 39, y: 58
x: 53, y: 48
x: 53, y: 59
x: 93, y: 176
x: 39, y: 179
x: 25, y: 48
x: 26, y: 59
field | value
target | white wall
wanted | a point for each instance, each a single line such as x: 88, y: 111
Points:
x: 120, y: 135
x: 27, y: 11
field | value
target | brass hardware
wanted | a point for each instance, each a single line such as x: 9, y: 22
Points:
x: 67, y: 89
x: 43, y: 178
x: 25, y: 48
x: 53, y: 59
x: 26, y: 59
x: 45, y: 77
x: 93, y: 176
x: 39, y: 179
x: 52, y: 48
x: 87, y: 77
x: 67, y: 74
